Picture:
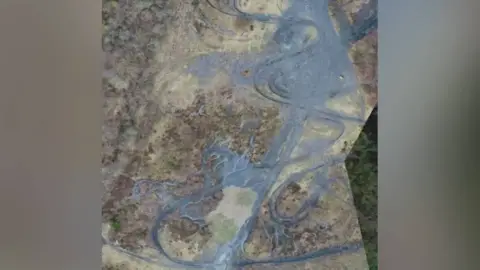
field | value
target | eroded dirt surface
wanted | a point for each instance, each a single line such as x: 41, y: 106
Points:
x: 149, y: 132
x: 176, y: 153
x: 363, y: 53
x: 364, y: 56
x: 129, y: 110
x: 331, y: 221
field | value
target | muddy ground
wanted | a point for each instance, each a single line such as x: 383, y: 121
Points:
x: 158, y: 119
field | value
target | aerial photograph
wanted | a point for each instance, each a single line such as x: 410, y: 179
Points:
x: 239, y: 134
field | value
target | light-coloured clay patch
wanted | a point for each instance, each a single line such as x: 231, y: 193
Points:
x: 246, y: 198
x: 230, y: 209
x: 224, y: 229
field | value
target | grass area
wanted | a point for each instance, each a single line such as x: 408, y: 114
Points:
x: 362, y: 170
x: 115, y: 224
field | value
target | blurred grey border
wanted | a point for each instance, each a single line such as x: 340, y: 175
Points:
x: 50, y: 104
x: 428, y: 108
x: 50, y: 111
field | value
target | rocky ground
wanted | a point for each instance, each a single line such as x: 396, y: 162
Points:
x: 158, y: 119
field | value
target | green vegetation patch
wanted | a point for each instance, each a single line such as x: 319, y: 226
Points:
x: 362, y: 171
